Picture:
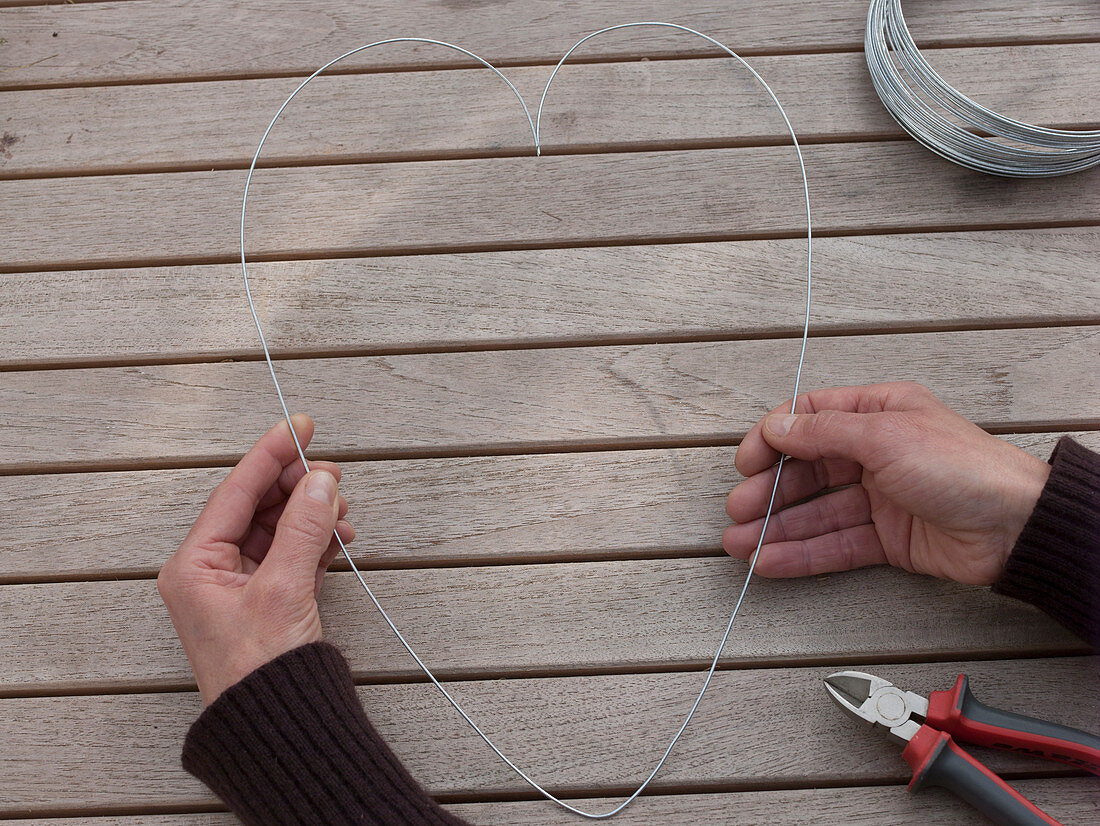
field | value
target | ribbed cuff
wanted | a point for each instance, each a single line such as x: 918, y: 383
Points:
x: 1055, y: 564
x: 290, y: 743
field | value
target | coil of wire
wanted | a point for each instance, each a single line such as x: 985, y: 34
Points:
x: 954, y: 126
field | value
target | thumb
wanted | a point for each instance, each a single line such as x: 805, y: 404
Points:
x: 304, y: 530
x: 830, y: 434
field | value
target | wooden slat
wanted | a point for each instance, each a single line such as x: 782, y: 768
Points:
x: 547, y: 201
x: 51, y: 2
x: 525, y: 400
x: 392, y: 116
x: 579, y: 734
x: 533, y: 619
x: 1073, y: 800
x: 552, y: 507
x: 110, y: 42
x: 736, y: 288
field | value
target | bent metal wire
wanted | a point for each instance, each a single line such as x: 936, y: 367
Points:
x: 535, y: 124
x: 954, y: 126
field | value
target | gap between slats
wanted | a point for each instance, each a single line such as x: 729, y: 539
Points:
x: 513, y: 449
x: 11, y: 4
x: 1033, y: 779
x: 314, y: 254
x: 416, y: 349
x: 947, y: 655
x: 1055, y: 793
x: 580, y: 793
x: 580, y: 149
x: 926, y: 45
x: 624, y: 148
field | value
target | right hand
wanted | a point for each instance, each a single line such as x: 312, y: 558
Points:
x: 921, y: 488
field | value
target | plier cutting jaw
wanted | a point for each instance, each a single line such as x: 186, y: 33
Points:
x: 925, y: 727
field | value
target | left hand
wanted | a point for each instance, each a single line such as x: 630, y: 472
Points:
x: 242, y: 588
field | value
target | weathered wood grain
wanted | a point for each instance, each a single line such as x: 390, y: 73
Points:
x: 393, y: 116
x: 590, y: 598
x: 501, y: 509
x: 495, y: 299
x: 1073, y: 800
x: 536, y: 619
x: 755, y: 727
x: 526, y: 201
x: 525, y: 400
x: 186, y: 39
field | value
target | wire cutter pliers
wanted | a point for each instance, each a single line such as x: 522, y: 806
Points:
x: 929, y: 727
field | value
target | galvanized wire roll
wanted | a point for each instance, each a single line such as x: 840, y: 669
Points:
x: 954, y: 126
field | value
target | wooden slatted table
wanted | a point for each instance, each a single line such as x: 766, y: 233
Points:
x: 535, y: 372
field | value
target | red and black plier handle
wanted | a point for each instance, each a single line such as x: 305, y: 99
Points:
x: 936, y: 760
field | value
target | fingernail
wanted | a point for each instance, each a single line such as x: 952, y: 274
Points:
x: 780, y: 424
x: 321, y: 486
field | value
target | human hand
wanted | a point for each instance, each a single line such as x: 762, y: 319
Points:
x: 929, y: 491
x: 242, y: 588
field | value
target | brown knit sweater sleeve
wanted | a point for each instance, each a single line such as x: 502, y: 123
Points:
x: 1055, y: 564
x: 291, y: 744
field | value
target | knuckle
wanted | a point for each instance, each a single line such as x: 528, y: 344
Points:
x: 912, y: 392
x: 166, y: 580
x: 910, y: 386
x: 891, y: 435
x: 783, y: 526
x: 731, y: 504
x: 831, y: 516
x: 274, y: 590
x: 883, y: 430
x: 847, y: 551
x: 276, y: 594
x: 821, y: 425
x: 306, y: 524
x: 218, y: 488
x: 175, y: 586
x: 917, y: 429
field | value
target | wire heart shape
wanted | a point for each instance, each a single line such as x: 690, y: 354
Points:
x: 535, y: 124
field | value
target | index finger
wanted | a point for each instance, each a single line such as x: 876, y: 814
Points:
x: 232, y: 505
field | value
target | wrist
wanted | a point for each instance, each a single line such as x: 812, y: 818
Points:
x: 214, y: 676
x: 1022, y: 491
x: 233, y: 662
